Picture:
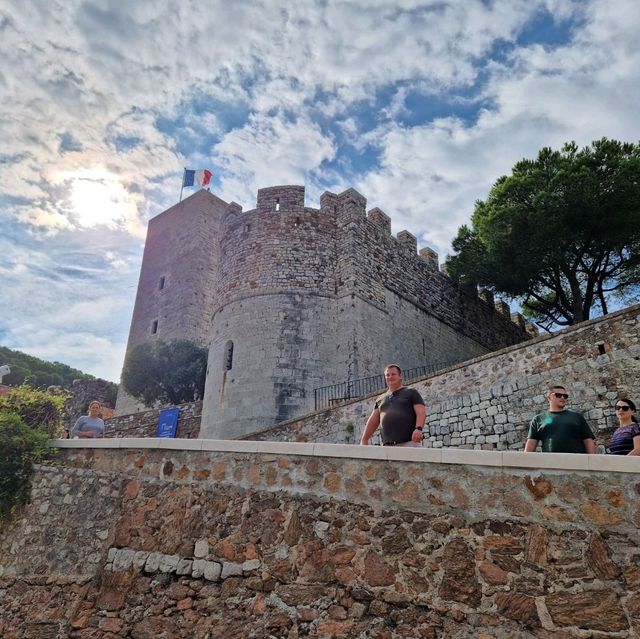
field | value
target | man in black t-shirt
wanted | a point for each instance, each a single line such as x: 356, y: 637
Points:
x: 400, y: 411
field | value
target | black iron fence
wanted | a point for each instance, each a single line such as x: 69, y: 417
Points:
x: 336, y: 394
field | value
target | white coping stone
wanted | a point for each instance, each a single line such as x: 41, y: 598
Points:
x: 179, y: 444
x: 287, y: 448
x: 507, y: 459
x: 363, y: 452
x: 614, y: 463
x: 230, y: 445
x: 336, y: 450
x: 404, y: 453
x: 471, y: 457
x: 561, y: 461
x: 83, y: 443
x: 138, y: 442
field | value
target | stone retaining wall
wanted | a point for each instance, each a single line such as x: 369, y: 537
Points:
x: 174, y: 538
x: 145, y: 423
x: 487, y: 403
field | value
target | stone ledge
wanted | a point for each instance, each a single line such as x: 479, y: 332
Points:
x: 460, y: 456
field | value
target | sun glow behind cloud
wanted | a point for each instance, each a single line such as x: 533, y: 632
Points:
x: 97, y: 197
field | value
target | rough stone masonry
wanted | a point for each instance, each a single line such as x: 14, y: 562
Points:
x: 280, y: 540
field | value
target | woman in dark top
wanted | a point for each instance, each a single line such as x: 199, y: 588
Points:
x: 626, y: 439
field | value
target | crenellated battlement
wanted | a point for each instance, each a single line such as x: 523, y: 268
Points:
x: 284, y: 244
x: 277, y: 198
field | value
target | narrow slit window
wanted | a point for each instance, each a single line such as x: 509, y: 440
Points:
x: 227, y: 362
x: 277, y: 204
x: 601, y: 349
x: 161, y: 283
x: 154, y: 327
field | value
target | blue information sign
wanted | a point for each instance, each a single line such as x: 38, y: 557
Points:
x: 168, y: 422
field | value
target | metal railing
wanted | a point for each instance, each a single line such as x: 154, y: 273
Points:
x: 336, y: 394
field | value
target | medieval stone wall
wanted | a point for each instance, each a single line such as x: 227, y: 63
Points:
x: 145, y: 423
x: 249, y: 539
x: 487, y: 403
x: 382, y: 262
x: 283, y: 347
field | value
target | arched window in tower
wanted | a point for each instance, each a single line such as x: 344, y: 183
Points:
x: 277, y: 204
x: 227, y: 361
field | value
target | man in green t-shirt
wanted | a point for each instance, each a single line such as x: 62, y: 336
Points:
x: 560, y: 430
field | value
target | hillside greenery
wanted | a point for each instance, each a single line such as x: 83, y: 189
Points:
x: 38, y: 373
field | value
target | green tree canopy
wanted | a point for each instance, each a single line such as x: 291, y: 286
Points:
x: 165, y: 372
x: 561, y: 234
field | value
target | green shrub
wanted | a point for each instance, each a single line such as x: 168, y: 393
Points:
x: 20, y: 447
x: 38, y: 408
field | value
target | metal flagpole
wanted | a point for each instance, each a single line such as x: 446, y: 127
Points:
x: 184, y: 172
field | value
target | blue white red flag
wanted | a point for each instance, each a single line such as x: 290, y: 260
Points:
x: 201, y: 177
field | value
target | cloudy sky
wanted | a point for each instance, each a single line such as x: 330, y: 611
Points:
x: 419, y: 105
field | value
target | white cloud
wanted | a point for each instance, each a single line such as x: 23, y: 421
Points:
x: 107, y: 70
x: 431, y: 175
x: 270, y: 150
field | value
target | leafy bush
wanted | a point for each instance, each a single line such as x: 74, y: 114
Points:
x: 20, y: 447
x: 38, y: 409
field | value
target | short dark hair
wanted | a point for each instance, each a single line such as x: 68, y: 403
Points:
x: 388, y: 366
x: 552, y: 388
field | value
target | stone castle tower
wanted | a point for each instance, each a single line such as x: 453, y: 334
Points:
x: 291, y: 298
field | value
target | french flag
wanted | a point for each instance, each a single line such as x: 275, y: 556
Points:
x: 200, y: 177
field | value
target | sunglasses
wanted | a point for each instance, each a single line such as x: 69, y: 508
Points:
x: 561, y: 396
x: 623, y: 408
